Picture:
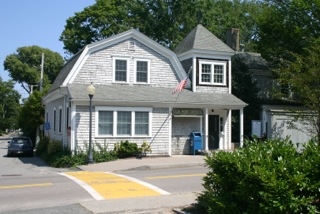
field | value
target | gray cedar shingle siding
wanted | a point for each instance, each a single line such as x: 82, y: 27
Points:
x: 98, y: 68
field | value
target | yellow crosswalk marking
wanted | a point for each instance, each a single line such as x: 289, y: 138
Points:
x: 111, y: 186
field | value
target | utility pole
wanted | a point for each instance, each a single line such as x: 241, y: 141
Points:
x: 31, y: 88
x: 41, y: 75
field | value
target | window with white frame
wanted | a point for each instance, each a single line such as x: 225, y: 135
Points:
x: 105, y: 124
x: 212, y: 72
x: 142, y: 71
x: 141, y: 123
x: 123, y: 121
x: 54, y: 119
x: 60, y: 120
x: 120, y: 70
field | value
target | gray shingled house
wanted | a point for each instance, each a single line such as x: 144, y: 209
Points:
x: 134, y: 78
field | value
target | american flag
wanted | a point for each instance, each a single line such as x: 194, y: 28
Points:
x: 181, y: 85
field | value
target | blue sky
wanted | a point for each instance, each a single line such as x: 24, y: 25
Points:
x: 34, y: 22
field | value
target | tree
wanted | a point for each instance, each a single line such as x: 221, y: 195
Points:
x: 165, y: 21
x: 9, y: 105
x: 286, y: 27
x: 24, y: 66
x: 302, y: 76
x: 32, y: 114
x: 94, y: 23
x: 245, y: 89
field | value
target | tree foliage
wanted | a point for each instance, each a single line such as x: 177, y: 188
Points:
x: 245, y: 89
x: 24, y: 67
x: 32, y: 114
x: 286, y: 27
x: 166, y: 22
x: 301, y: 75
x: 9, y: 105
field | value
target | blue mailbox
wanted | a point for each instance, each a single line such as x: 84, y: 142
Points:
x: 195, y: 142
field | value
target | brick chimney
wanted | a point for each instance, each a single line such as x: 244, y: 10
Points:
x: 233, y: 39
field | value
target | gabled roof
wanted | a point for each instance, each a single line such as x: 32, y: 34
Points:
x: 202, y: 39
x: 72, y: 67
x: 64, y: 72
x: 127, y: 95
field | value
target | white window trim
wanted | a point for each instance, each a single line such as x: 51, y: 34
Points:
x: 115, y: 110
x: 212, y: 63
x: 114, y: 68
x: 135, y: 70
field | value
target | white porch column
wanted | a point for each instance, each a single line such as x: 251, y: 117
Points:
x: 229, y: 113
x: 206, y: 130
x: 241, y: 127
x: 73, y: 128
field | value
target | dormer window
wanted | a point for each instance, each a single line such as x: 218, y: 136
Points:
x: 120, y: 69
x: 142, y: 70
x: 212, y: 72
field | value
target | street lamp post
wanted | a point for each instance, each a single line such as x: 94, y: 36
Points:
x: 90, y: 90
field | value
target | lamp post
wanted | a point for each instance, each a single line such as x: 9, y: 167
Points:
x: 90, y: 90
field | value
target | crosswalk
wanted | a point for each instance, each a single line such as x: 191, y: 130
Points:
x: 105, y: 185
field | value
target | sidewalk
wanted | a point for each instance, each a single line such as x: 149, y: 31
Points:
x: 144, y: 205
x: 146, y: 163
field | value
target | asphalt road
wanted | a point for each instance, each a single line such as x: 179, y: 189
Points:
x: 28, y: 185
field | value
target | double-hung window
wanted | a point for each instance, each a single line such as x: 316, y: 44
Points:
x: 141, y: 123
x: 213, y: 72
x: 105, y: 126
x: 142, y: 71
x: 123, y: 121
x: 120, y: 70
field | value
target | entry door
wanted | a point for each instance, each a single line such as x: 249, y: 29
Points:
x: 213, y: 132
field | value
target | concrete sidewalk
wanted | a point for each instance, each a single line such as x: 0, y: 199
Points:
x: 146, y: 163
x: 164, y: 204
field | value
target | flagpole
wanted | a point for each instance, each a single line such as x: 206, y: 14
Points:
x: 187, y: 76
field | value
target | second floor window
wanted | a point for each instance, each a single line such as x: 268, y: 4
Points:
x: 213, y: 73
x: 121, y: 70
x: 142, y: 71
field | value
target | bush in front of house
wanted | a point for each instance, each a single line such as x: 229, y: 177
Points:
x: 53, y: 152
x: 263, y: 177
x: 125, y: 149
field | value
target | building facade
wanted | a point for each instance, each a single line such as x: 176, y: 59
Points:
x: 134, y: 78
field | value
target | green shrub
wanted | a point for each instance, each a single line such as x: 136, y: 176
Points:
x: 54, y: 147
x: 55, y: 155
x: 144, y: 149
x: 42, y: 146
x: 263, y: 177
x: 102, y: 154
x: 126, y: 149
x: 70, y: 160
